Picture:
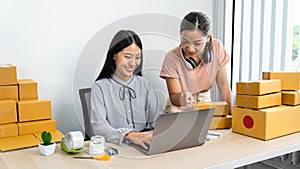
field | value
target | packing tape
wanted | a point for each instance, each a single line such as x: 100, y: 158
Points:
x: 97, y: 145
x: 74, y: 140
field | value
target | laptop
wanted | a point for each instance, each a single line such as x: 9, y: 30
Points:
x: 174, y: 131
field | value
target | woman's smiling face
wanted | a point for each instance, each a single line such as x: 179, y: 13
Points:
x: 192, y: 42
x: 127, y: 60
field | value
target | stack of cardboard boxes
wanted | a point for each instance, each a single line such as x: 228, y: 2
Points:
x: 22, y: 116
x: 260, y: 109
x: 290, y: 86
x: 221, y: 118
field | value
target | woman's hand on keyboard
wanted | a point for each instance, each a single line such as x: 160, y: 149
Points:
x: 143, y: 139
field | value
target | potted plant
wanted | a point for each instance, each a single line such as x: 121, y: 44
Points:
x: 47, y: 147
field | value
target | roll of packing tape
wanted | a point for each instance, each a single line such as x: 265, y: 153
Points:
x: 97, y: 145
x: 74, y: 140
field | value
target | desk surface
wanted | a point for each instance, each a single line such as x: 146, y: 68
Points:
x: 230, y: 151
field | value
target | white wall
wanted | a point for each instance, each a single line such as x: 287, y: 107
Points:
x: 61, y: 44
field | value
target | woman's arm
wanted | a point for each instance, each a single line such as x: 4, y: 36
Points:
x: 176, y: 95
x: 224, y: 88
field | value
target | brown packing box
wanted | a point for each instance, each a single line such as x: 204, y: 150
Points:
x: 289, y: 80
x: 36, y: 126
x: 34, y: 110
x: 258, y: 102
x: 56, y: 135
x: 201, y: 105
x: 9, y: 92
x: 259, y: 87
x: 221, y: 107
x: 266, y: 123
x: 27, y: 89
x: 8, y: 74
x: 290, y: 97
x: 8, y: 112
x: 220, y: 123
x: 17, y: 142
x: 8, y: 130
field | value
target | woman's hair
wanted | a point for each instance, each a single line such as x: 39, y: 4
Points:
x: 196, y: 20
x: 199, y: 21
x: 121, y: 40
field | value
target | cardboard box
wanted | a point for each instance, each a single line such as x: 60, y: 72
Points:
x: 56, y: 136
x: 220, y: 123
x: 9, y: 92
x: 221, y: 107
x: 27, y: 89
x: 36, y: 126
x: 201, y: 105
x: 8, y: 111
x: 258, y: 102
x: 266, y: 123
x: 289, y: 80
x: 290, y: 97
x: 8, y: 74
x: 34, y: 110
x: 259, y: 87
x: 18, y: 142
x: 8, y: 130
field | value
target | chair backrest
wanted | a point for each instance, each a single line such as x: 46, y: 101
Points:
x: 85, y: 98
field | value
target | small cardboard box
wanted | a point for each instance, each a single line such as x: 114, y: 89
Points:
x: 34, y: 110
x: 220, y: 123
x: 8, y: 74
x: 8, y: 130
x: 221, y: 107
x: 9, y: 92
x: 290, y: 97
x: 201, y: 105
x: 27, y: 89
x: 258, y: 102
x: 8, y: 111
x: 259, y: 87
x: 266, y: 123
x: 56, y: 135
x: 18, y: 142
x: 289, y: 80
x: 36, y: 126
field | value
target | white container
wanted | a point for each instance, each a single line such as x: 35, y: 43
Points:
x: 97, y: 145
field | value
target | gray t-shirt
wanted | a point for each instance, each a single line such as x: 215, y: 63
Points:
x: 118, y: 107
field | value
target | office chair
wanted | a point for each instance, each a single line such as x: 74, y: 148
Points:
x: 85, y: 98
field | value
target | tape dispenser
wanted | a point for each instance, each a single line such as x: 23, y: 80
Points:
x: 73, y: 142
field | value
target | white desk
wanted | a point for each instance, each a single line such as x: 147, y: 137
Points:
x: 230, y: 151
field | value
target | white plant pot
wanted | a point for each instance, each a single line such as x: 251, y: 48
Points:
x: 47, y: 150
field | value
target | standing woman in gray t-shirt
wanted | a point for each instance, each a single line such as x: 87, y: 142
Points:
x: 123, y: 104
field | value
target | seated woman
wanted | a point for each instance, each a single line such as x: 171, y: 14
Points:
x: 123, y: 104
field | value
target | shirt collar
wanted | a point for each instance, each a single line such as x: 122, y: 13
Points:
x: 126, y: 83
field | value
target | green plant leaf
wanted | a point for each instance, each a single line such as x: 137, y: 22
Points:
x: 46, y: 137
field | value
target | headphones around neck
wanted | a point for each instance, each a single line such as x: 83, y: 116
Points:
x: 206, y: 57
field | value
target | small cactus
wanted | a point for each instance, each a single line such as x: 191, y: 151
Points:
x: 46, y: 137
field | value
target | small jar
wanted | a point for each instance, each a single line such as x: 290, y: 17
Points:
x: 97, y: 145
